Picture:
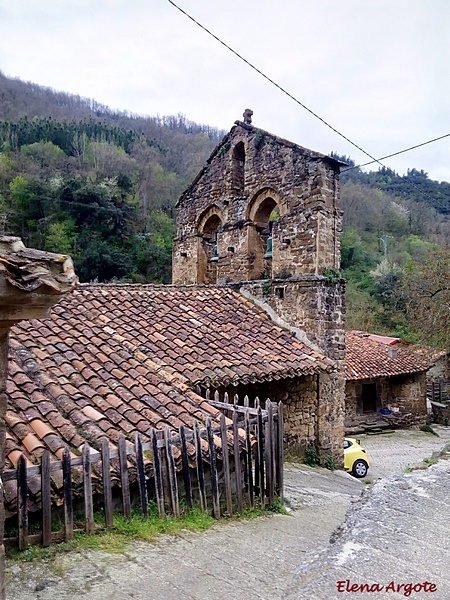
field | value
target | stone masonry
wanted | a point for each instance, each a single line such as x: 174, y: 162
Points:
x: 254, y: 182
x: 263, y: 216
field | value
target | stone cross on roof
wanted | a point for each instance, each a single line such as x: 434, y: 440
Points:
x: 248, y: 116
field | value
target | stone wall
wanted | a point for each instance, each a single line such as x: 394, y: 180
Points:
x: 313, y: 304
x: 312, y: 413
x: 408, y: 392
x: 250, y: 174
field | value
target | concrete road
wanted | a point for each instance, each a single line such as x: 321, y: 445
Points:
x: 390, y: 453
x: 255, y: 559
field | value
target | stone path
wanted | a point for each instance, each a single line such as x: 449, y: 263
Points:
x: 395, y: 543
x: 266, y: 558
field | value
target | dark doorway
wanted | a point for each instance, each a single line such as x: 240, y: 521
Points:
x: 369, y: 397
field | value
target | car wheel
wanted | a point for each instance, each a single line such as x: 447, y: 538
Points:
x: 360, y: 468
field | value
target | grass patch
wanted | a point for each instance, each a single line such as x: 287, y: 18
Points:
x: 124, y: 531
x: 427, y: 462
x: 429, y: 429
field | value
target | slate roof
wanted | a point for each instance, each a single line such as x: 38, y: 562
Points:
x: 369, y: 356
x: 119, y: 359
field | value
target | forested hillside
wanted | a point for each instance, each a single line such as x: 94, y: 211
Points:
x: 393, y: 225
x: 78, y: 177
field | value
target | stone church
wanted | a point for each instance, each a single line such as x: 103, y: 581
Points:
x: 263, y: 217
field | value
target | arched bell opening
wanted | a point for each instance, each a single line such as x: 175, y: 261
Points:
x: 209, y: 251
x: 266, y: 214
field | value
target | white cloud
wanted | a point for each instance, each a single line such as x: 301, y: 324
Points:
x: 376, y: 71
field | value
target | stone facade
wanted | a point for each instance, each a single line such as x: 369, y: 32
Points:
x: 257, y: 186
x: 308, y: 416
x: 263, y: 216
x: 407, y: 393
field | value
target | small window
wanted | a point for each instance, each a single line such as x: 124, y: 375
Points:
x: 347, y: 444
x: 238, y: 168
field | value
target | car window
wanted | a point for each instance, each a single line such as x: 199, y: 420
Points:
x: 347, y: 444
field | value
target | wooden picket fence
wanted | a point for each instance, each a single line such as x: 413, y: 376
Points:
x: 253, y: 463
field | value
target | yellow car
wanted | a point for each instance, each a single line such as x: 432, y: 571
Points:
x: 356, y: 460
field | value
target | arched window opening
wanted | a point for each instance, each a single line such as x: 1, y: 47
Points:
x: 267, y: 214
x: 238, y: 168
x: 260, y: 238
x: 209, y: 255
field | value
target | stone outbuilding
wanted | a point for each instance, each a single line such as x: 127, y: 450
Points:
x: 386, y: 380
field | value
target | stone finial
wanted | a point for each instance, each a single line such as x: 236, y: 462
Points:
x: 248, y: 116
x: 30, y: 279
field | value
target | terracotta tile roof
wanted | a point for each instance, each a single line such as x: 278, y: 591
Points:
x: 121, y: 359
x: 369, y: 355
x: 68, y: 386
x: 208, y: 334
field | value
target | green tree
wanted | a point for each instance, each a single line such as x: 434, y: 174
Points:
x: 425, y: 290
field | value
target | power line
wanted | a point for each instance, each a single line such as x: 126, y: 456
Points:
x: 374, y: 160
x: 397, y: 153
x: 274, y: 83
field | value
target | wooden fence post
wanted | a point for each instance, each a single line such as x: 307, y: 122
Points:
x: 185, y: 465
x: 68, y: 503
x: 213, y: 469
x: 141, y: 475
x: 87, y: 488
x: 22, y: 502
x: 269, y: 451
x: 260, y: 454
x: 200, y: 470
x: 173, y: 483
x: 279, y: 452
x: 107, y: 487
x: 226, y: 465
x: 46, y: 500
x: 249, y: 460
x: 237, y: 462
x: 124, y: 480
x: 158, y: 476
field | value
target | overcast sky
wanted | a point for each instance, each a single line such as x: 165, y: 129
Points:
x: 376, y: 70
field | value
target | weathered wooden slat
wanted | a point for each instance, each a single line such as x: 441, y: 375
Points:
x: 235, y: 407
x: 87, y: 489
x: 246, y: 401
x: 226, y: 466
x: 141, y: 475
x: 67, y: 490
x: 251, y: 498
x: 200, y: 471
x: 260, y: 454
x: 173, y: 482
x: 213, y: 469
x: 256, y: 472
x: 237, y: 462
x: 279, y: 453
x: 185, y: 466
x: 269, y: 452
x: 124, y: 479
x: 35, y: 471
x: 158, y: 476
x: 107, y: 486
x: 46, y: 500
x: 226, y: 400
x: 22, y: 502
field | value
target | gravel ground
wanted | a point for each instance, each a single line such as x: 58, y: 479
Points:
x: 282, y: 556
